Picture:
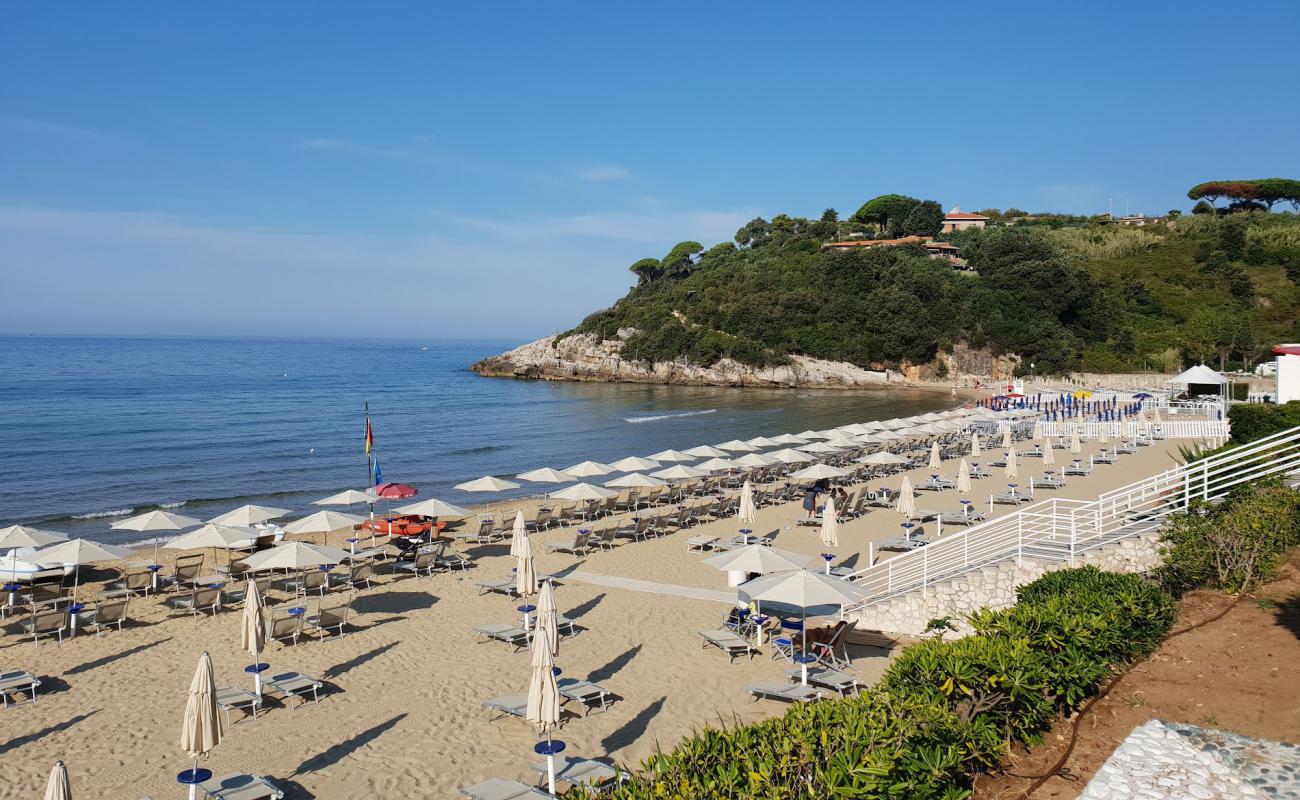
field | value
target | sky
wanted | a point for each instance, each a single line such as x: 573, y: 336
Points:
x: 491, y: 169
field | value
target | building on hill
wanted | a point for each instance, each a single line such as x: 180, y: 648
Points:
x: 958, y: 220
x: 1132, y: 219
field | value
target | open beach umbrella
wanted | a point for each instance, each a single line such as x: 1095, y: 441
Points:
x: 156, y: 521
x: 584, y: 491
x: 545, y: 475
x: 679, y: 472
x: 323, y: 522
x: 808, y: 436
x: 543, y: 709
x: 588, y: 469
x: 704, y: 451
x: 252, y: 629
x: 518, y: 532
x: 789, y: 439
x: 434, y: 507
x: 347, y: 497
x: 77, y: 552
x: 757, y: 558
x: 1049, y: 454
x: 488, y: 483
x: 636, y: 481
x: 716, y: 465
x: 819, y: 447
x: 803, y: 589
x: 763, y: 442
x: 1013, y: 467
x: 635, y: 464
x: 525, y: 573
x: 737, y: 446
x: 201, y: 728
x: 888, y: 435
x: 18, y: 536
x: 934, y: 455
x: 817, y: 472
x: 670, y: 456
x: 548, y: 617
x: 882, y: 458
x: 963, y: 477
x: 248, y: 515
x: 296, y: 556
x: 790, y: 456
x: 756, y: 460
x: 214, y: 536
x: 58, y: 787
x: 1006, y: 437
x: 1076, y: 446
x: 906, y: 502
x: 746, y: 512
x: 394, y: 491
x: 830, y: 528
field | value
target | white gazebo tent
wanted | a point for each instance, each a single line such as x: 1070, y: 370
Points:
x: 1200, y: 379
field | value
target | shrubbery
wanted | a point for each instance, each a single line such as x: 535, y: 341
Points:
x: 1251, y: 421
x: 944, y: 710
x: 1233, y: 544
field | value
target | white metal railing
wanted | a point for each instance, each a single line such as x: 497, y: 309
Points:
x: 1062, y: 530
x: 1169, y: 429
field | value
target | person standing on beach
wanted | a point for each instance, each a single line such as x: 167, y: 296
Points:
x: 810, y: 500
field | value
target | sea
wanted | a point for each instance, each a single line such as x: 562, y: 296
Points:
x: 94, y: 429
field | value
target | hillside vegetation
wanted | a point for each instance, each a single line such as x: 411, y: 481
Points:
x: 1064, y: 297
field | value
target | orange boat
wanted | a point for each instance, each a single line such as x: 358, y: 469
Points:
x: 398, y: 526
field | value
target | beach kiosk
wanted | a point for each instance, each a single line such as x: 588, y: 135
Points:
x: 1200, y: 380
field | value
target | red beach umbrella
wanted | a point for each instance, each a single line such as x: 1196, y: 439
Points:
x: 395, y: 491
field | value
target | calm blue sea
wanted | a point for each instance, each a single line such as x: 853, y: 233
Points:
x: 93, y: 429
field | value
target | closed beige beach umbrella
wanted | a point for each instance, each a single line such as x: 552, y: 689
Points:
x: 1038, y: 429
x: 525, y: 574
x: 543, y: 709
x: 548, y: 617
x: 934, y: 456
x: 58, y: 787
x: 1013, y: 468
x: 1105, y: 433
x: 1006, y: 436
x: 1049, y: 454
x: 974, y: 444
x: 1076, y: 446
x: 830, y: 528
x: 252, y: 630
x: 747, y: 513
x: 201, y: 728
x: 906, y: 504
x: 963, y: 477
x: 518, y: 533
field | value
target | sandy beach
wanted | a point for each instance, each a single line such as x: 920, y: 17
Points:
x: 401, y: 714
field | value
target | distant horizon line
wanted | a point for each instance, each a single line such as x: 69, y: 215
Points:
x: 265, y: 337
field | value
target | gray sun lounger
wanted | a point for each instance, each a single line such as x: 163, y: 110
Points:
x: 1046, y: 482
x: 17, y: 682
x: 585, y: 693
x: 901, y: 543
x: 241, y: 787
x: 786, y: 692
x: 827, y: 678
x: 499, y: 789
x: 730, y: 643
x: 582, y: 771
x: 506, y: 587
x: 229, y: 697
x: 510, y: 705
x: 506, y: 633
x: 295, y: 684
x: 701, y: 543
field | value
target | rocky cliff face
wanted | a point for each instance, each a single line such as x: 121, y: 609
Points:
x: 585, y: 358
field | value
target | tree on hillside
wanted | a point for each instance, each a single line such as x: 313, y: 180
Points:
x: 1278, y: 190
x: 647, y: 270
x: 830, y: 215
x: 888, y: 211
x: 1259, y: 194
x: 1013, y: 212
x: 1203, y: 207
x: 925, y: 219
x: 994, y: 214
x: 680, y: 261
x: 1232, y: 239
x: 754, y: 233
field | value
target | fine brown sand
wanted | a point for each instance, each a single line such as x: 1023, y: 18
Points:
x: 401, y: 715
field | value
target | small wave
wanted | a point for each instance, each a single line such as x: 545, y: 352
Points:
x: 177, y: 504
x: 657, y: 417
x: 117, y: 512
x: 490, y: 448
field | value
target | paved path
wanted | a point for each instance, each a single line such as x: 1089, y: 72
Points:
x: 616, y: 582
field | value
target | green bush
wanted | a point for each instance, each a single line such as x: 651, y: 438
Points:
x: 1231, y: 545
x: 1251, y: 421
x: 944, y: 710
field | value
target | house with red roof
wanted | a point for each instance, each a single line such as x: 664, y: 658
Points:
x: 958, y: 220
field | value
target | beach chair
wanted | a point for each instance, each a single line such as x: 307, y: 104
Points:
x: 359, y: 574
x: 729, y: 643
x: 576, y: 545
x: 701, y: 544
x: 285, y: 626
x: 834, y: 651
x: 637, y: 531
x: 104, y: 616
x: 594, y: 775
x: 505, y: 587
x: 138, y: 582
x: 311, y: 580
x: 586, y: 694
x: 241, y: 787
x: 500, y: 789
x: 538, y: 522
x: 589, y: 511
x: 915, y: 541
x: 47, y: 622
x: 232, y: 697
x: 607, y: 540
x: 513, y: 635
x: 46, y: 596
x: 1048, y: 481
x: 563, y: 517
x: 422, y: 564
x: 485, y: 533
x: 17, y: 682
x: 295, y: 684
x: 331, y: 617
x: 609, y: 507
x: 837, y: 681
x: 446, y: 558
x: 186, y: 569
x: 199, y: 601
x: 785, y: 692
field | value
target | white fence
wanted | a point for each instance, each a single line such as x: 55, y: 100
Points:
x: 1210, y: 429
x: 1062, y: 530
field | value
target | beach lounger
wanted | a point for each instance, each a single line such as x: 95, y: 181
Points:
x: 331, y: 617
x: 17, y: 681
x: 187, y: 568
x: 1046, y: 482
x: 505, y: 587
x: 837, y: 681
x: 1078, y: 468
x: 976, y: 471
x: 701, y: 544
x: 902, y: 543
x: 1104, y: 457
x: 446, y: 558
x: 585, y: 693
x: 730, y: 643
x: 139, y: 582
x: 295, y: 684
x: 285, y: 626
x: 576, y: 545
x: 104, y: 616
x: 50, y: 622
x: 499, y: 789
x: 229, y: 697
x: 422, y: 564
x: 583, y: 772
x: 607, y: 540
x: 1127, y: 448
x: 1009, y: 498
x: 198, y: 602
x: 513, y: 635
x: 241, y: 787
x: 785, y: 692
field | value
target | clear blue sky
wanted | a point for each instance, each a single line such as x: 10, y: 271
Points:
x: 492, y: 168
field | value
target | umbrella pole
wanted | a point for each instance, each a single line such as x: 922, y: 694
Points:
x: 550, y: 764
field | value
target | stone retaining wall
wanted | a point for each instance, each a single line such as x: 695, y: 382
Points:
x: 995, y: 587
